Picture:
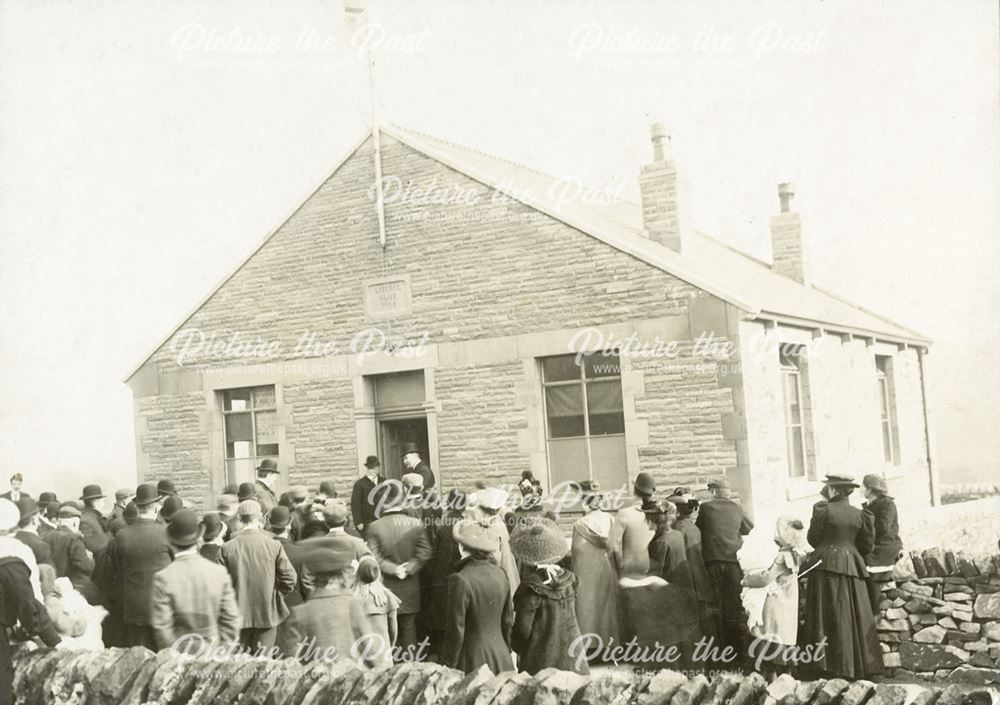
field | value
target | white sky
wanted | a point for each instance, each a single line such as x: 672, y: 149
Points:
x: 139, y: 163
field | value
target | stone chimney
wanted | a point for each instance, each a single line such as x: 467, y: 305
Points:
x: 666, y: 213
x: 787, y: 239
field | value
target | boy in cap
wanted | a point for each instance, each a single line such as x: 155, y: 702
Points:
x: 69, y: 554
x: 723, y: 524
x: 192, y: 595
x: 137, y: 552
x: 333, y: 621
x: 262, y: 576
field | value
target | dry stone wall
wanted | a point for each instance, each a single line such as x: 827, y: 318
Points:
x: 940, y: 617
x: 137, y: 676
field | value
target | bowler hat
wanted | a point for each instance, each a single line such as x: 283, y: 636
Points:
x: 27, y: 506
x: 146, y: 494
x: 720, y: 483
x: 171, y: 505
x: 9, y: 515
x: 541, y: 542
x: 184, y: 528
x: 165, y: 488
x: 409, y: 448
x: 279, y: 518
x: 46, y: 497
x: 474, y: 537
x: 213, y: 525
x: 246, y: 491
x: 328, y: 487
x: 644, y: 484
x: 267, y: 466
x: 92, y: 492
x: 335, y: 513
x: 839, y: 480
x: 875, y: 483
x: 69, y: 510
x: 372, y: 462
x: 320, y: 561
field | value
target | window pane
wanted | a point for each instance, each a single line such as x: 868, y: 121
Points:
x: 604, y: 404
x: 796, y: 456
x: 887, y: 441
x: 607, y: 459
x: 883, y: 397
x: 263, y: 398
x: 239, y: 427
x: 267, y: 451
x: 564, y: 409
x: 790, y: 355
x: 792, y: 407
x: 240, y: 449
x: 400, y: 389
x: 236, y: 399
x: 238, y: 471
x: 560, y: 369
x: 600, y: 365
x: 568, y: 460
x: 267, y: 426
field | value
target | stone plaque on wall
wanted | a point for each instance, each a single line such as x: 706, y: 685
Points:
x: 387, y: 297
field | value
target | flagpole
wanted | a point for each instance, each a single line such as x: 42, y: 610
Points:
x: 376, y: 139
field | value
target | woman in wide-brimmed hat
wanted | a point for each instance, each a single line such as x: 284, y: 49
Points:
x: 480, y: 612
x: 888, y: 546
x: 596, y: 553
x: 838, y: 609
x: 545, y: 625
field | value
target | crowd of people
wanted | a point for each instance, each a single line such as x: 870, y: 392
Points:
x: 403, y: 571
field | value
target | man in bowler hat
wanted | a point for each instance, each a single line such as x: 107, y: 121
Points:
x: 93, y: 524
x: 267, y: 475
x: 723, y: 525
x: 362, y: 502
x: 27, y: 531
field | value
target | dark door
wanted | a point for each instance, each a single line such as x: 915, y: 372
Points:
x: 396, y: 433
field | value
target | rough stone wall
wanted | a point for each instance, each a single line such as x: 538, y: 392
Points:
x: 135, y: 676
x: 321, y: 432
x: 940, y: 617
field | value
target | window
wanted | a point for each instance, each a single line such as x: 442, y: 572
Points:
x: 584, y: 418
x: 887, y: 408
x: 250, y: 423
x: 797, y: 412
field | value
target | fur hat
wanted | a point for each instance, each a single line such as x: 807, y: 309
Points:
x: 541, y: 542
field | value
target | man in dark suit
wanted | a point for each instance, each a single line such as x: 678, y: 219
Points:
x: 400, y: 544
x: 138, y: 552
x: 723, y: 525
x: 280, y: 525
x: 15, y: 493
x: 69, y: 553
x: 48, y: 508
x: 362, y: 503
x: 267, y: 475
x: 27, y: 531
x: 93, y: 524
x: 192, y: 595
x: 413, y: 463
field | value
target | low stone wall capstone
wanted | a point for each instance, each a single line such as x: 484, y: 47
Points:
x: 940, y: 617
x: 137, y: 676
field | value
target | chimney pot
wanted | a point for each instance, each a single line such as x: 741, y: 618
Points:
x: 786, y: 192
x: 658, y: 133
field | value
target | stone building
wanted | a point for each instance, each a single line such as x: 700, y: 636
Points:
x: 460, y: 330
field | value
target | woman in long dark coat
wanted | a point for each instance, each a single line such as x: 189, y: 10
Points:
x: 709, y: 614
x: 480, y: 613
x: 888, y: 546
x: 838, y: 609
x: 545, y: 624
x: 443, y: 563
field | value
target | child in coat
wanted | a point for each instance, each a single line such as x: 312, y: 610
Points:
x: 380, y: 606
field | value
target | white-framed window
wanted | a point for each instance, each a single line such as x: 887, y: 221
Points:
x: 250, y: 427
x: 887, y: 408
x: 584, y: 418
x: 798, y: 426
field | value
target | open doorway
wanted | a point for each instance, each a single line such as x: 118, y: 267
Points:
x: 396, y: 433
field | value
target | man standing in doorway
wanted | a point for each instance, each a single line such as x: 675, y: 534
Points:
x: 362, y: 502
x: 267, y: 475
x: 723, y: 526
x: 413, y: 463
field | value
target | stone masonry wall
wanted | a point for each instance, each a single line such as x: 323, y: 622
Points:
x: 135, y: 676
x: 940, y: 617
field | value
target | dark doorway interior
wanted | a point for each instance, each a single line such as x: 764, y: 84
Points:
x: 393, y: 435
